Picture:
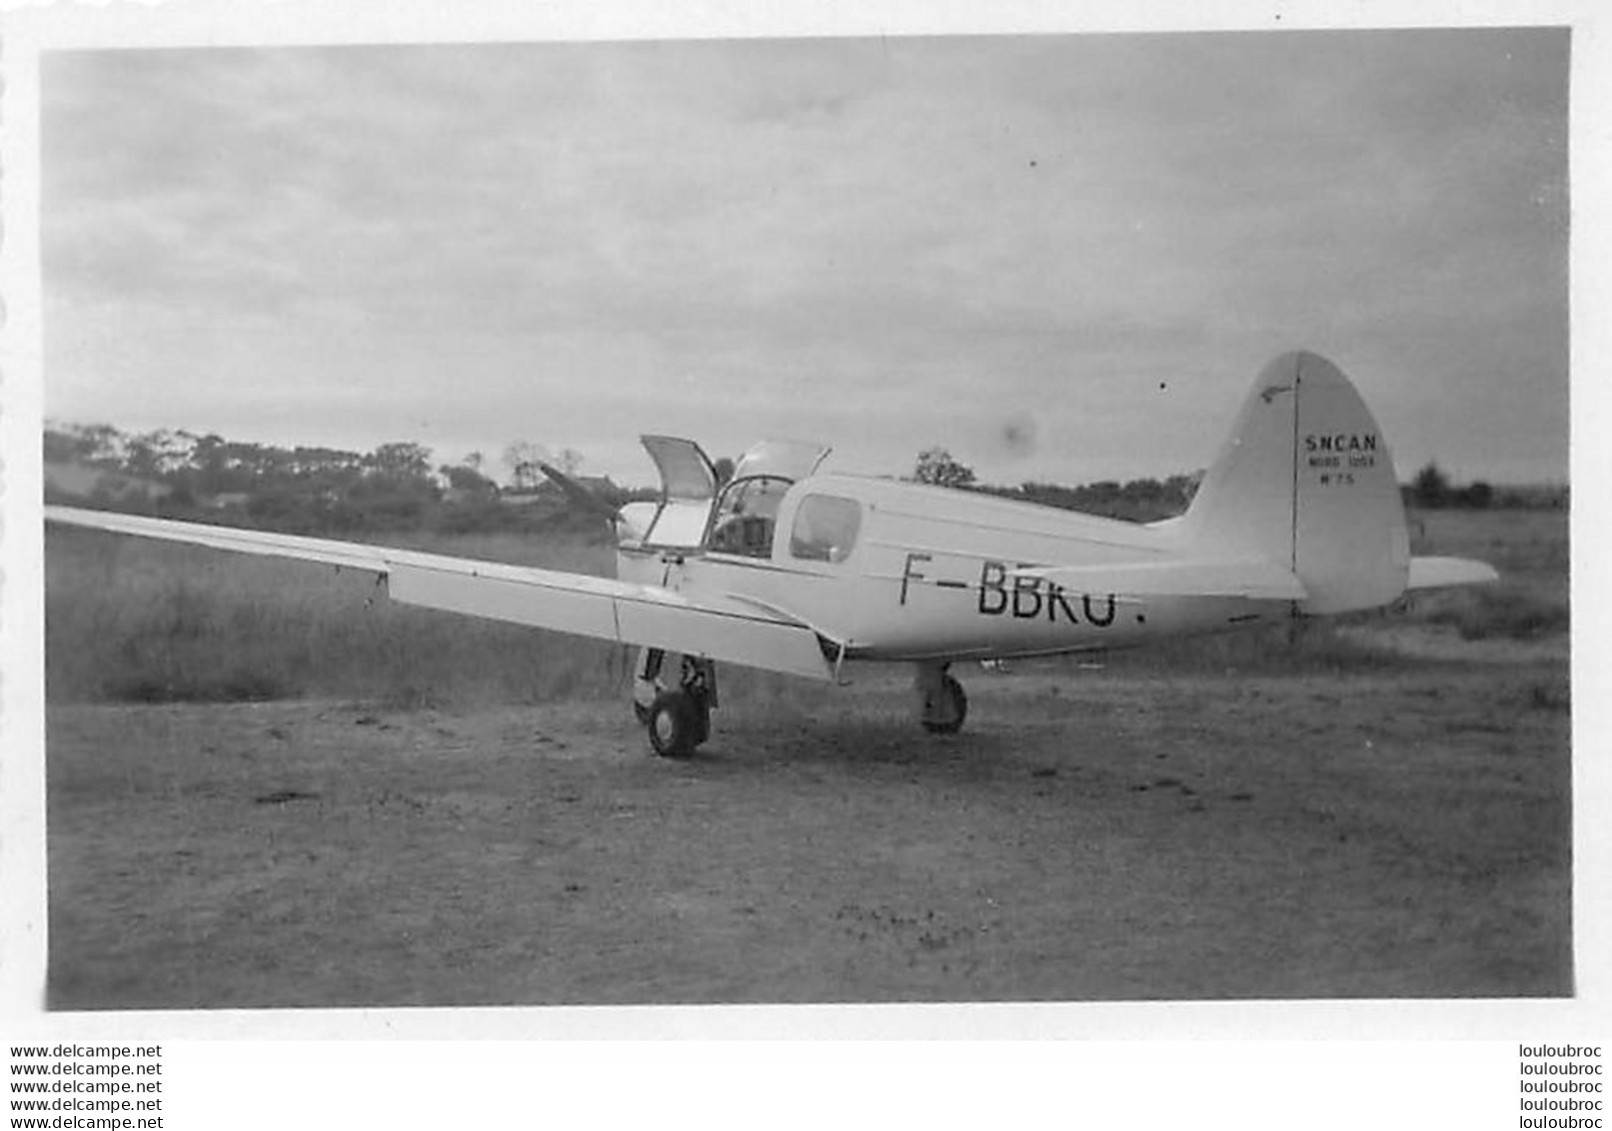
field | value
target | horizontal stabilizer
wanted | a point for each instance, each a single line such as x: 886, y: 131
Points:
x: 1440, y: 573
x: 1253, y: 580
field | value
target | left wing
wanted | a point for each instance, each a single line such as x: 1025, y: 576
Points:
x: 713, y: 627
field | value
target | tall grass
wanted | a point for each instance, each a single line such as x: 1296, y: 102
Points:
x: 1532, y: 551
x: 127, y: 619
x: 1530, y: 548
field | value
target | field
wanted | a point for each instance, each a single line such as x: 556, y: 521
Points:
x: 265, y: 792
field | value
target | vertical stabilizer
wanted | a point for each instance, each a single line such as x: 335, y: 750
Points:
x: 1306, y: 481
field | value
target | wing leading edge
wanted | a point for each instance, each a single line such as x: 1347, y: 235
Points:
x: 564, y: 602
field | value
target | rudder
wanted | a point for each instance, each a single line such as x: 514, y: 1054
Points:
x: 1306, y: 480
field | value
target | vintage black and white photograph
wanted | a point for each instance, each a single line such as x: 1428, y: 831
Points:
x: 1052, y: 518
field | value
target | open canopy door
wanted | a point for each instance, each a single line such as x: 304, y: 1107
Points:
x: 688, y: 488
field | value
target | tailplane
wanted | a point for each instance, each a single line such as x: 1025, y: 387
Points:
x: 1306, y: 481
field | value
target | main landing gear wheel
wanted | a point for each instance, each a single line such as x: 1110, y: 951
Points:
x: 956, y: 709
x: 678, y: 722
x: 678, y: 718
x: 943, y: 704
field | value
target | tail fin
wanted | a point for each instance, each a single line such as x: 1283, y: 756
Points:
x: 1306, y: 481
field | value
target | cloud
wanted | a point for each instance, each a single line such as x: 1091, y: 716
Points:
x: 883, y: 241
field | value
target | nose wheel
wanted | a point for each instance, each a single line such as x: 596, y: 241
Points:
x: 943, y: 705
x: 678, y: 718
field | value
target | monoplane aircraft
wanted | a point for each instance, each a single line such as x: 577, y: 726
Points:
x: 792, y: 569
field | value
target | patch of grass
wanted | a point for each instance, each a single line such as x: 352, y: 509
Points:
x: 241, y: 685
x: 1504, y: 611
x: 1531, y: 549
x: 1359, y: 840
x: 1311, y: 647
x: 129, y: 620
x: 1551, y: 695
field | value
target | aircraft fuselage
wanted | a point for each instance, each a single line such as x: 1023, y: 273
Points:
x: 933, y: 572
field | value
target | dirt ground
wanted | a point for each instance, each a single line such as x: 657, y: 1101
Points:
x: 1090, y: 836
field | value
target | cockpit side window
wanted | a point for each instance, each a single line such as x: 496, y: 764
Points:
x: 746, y: 516
x: 825, y: 528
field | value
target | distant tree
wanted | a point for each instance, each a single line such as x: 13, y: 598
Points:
x: 208, y: 460
x: 140, y: 458
x: 522, y: 458
x: 936, y: 466
x: 152, y: 455
x: 1141, y: 490
x: 569, y: 461
x: 462, y: 478
x: 98, y: 444
x: 724, y: 470
x: 60, y: 447
x: 1479, y: 495
x: 326, y: 464
x: 1184, y: 487
x: 1431, y: 487
x: 400, y: 460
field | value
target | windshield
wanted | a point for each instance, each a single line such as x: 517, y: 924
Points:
x: 746, y: 516
x: 783, y: 459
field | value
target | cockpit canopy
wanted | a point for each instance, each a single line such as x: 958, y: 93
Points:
x: 780, y: 459
x: 747, y: 511
x: 739, y: 520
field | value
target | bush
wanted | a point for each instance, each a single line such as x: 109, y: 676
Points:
x: 1430, y: 488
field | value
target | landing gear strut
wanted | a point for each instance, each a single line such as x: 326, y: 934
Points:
x: 678, y: 718
x: 942, y: 704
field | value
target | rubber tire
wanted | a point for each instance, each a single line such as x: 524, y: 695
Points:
x: 674, y: 725
x: 702, y: 720
x: 959, y: 701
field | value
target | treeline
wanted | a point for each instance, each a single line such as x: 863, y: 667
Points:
x: 1139, y: 500
x: 300, y: 489
x: 1148, y: 500
x: 1433, y: 490
x: 318, y: 490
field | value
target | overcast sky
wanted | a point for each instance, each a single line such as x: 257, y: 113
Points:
x: 1062, y: 257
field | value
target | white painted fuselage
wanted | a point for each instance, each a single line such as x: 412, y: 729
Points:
x: 940, y: 573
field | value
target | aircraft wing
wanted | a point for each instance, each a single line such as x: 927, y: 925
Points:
x: 1255, y: 580
x: 713, y: 627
